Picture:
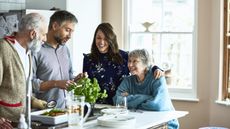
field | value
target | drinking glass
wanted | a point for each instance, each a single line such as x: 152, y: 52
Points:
x: 121, y: 102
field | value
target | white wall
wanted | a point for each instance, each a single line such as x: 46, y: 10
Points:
x: 112, y: 13
x: 205, y: 112
x: 88, y: 13
x: 6, y: 5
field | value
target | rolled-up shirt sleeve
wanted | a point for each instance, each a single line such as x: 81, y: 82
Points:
x: 36, y: 82
x: 155, y: 67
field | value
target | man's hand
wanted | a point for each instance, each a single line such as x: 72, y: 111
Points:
x: 62, y: 84
x: 158, y: 73
x: 38, y: 103
x: 80, y: 75
x: 5, y: 123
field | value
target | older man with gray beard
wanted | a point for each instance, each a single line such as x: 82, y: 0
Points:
x: 16, y: 66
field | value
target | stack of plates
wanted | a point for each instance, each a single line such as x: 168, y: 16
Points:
x: 115, y: 111
x: 116, y: 121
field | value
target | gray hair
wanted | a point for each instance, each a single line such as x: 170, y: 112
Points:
x: 31, y: 21
x: 141, y: 54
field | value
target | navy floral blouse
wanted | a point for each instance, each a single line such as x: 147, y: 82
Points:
x: 108, y: 73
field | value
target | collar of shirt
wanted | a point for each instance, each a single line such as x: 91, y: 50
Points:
x: 47, y: 45
x: 11, y: 39
x: 20, y: 48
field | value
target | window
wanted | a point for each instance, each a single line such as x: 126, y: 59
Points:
x: 226, y: 47
x: 166, y: 28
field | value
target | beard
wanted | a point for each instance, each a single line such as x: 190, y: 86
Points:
x: 60, y: 40
x: 57, y: 39
x: 35, y: 45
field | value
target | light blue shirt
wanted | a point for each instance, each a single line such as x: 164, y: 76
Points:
x: 151, y: 94
x: 51, y: 64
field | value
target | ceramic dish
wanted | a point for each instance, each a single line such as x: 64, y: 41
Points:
x: 116, y: 121
x: 115, y: 111
x: 51, y: 120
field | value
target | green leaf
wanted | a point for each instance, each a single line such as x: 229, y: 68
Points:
x: 90, y: 89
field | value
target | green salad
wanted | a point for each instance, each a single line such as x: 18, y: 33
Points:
x: 54, y: 112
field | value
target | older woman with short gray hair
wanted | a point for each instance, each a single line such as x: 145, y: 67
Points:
x: 142, y: 54
x: 143, y: 91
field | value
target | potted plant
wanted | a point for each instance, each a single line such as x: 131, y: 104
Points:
x: 88, y: 88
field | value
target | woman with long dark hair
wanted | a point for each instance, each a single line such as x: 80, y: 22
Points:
x: 106, y: 62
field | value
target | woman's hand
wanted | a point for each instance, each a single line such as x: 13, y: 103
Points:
x: 5, y: 123
x: 125, y: 94
x: 158, y: 73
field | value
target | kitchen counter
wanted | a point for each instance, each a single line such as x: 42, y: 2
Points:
x: 144, y: 120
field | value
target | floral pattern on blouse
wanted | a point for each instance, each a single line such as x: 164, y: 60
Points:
x: 108, y: 73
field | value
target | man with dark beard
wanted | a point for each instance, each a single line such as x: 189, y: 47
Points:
x: 52, y: 64
x: 16, y: 66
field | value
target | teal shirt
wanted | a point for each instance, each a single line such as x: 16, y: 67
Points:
x: 151, y: 94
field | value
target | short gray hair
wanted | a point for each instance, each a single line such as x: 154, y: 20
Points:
x: 31, y: 21
x: 141, y: 54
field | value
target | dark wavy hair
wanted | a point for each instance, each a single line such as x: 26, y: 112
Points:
x: 111, y: 38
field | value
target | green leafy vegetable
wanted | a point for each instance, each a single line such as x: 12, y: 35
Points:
x: 91, y: 90
x: 54, y: 112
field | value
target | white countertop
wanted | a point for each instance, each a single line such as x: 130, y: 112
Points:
x: 144, y: 120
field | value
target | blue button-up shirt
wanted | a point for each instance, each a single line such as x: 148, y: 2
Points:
x: 51, y: 64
